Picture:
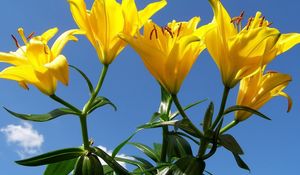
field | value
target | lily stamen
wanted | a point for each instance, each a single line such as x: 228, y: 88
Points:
x: 15, y: 41
x: 262, y: 21
x: 179, y: 29
x: 249, y: 22
x: 169, y: 30
x: 21, y: 33
x: 155, y: 31
x: 269, y: 24
x: 30, y: 35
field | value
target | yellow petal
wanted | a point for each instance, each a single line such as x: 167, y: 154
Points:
x: 79, y: 13
x: 131, y: 20
x: 59, y: 68
x: 223, y: 20
x: 46, y: 36
x: 290, y: 101
x: 19, y: 73
x: 38, y: 54
x: 12, y: 59
x: 287, y: 41
x: 150, y: 10
x: 61, y: 41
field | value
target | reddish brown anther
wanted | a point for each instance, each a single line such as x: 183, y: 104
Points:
x: 238, y: 19
x: 179, y: 29
x: 30, y: 35
x: 249, y: 22
x: 169, y: 30
x: 154, y: 30
x: 262, y: 21
x: 16, y: 41
x: 269, y: 24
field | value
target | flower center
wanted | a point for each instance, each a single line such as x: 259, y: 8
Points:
x: 166, y: 31
x: 25, y: 39
x: 237, y: 21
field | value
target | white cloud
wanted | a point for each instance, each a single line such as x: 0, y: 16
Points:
x: 25, y: 137
x: 118, y: 155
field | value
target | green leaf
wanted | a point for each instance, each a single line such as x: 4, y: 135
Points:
x: 188, y: 166
x: 178, y: 146
x: 110, y: 161
x: 247, y: 109
x: 101, y: 101
x: 208, y: 117
x: 60, y: 168
x: 90, y: 85
x: 175, y: 114
x: 121, y: 145
x: 52, y: 157
x: 157, y: 148
x: 158, y: 124
x: 186, y: 126
x: 240, y: 162
x: 42, y: 117
x: 229, y: 142
x: 147, y: 150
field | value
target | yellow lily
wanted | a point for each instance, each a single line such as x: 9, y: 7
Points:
x: 258, y: 89
x: 169, y: 52
x: 239, y: 52
x: 35, y: 63
x: 107, y: 19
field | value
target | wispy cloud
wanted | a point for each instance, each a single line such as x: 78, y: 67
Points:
x: 28, y: 140
x: 118, y: 155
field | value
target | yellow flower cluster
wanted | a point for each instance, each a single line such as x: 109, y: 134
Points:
x: 168, y: 52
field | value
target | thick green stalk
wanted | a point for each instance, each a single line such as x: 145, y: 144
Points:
x: 222, y: 107
x: 229, y: 126
x: 94, y: 94
x: 165, y: 130
x: 84, y: 132
x: 184, y: 116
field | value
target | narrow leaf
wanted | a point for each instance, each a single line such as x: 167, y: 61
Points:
x: 121, y: 145
x: 175, y: 114
x: 247, y: 109
x: 101, y: 101
x: 147, y: 150
x: 186, y: 126
x: 42, y: 117
x: 110, y: 161
x: 240, y: 162
x: 88, y: 81
x: 208, y: 117
x: 188, y: 166
x: 158, y: 124
x: 178, y: 146
x: 60, y: 168
x: 229, y: 142
x: 52, y: 157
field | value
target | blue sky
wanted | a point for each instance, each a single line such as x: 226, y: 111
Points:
x: 270, y: 147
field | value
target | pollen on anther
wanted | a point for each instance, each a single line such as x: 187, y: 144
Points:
x: 15, y: 41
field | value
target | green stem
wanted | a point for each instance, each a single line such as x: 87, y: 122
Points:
x: 94, y: 94
x: 222, y: 107
x: 229, y: 126
x: 165, y: 130
x: 66, y: 104
x: 184, y: 116
x: 84, y: 132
